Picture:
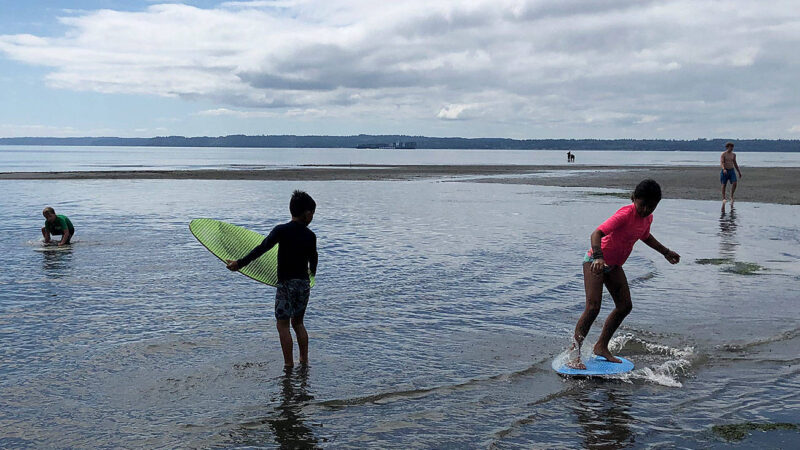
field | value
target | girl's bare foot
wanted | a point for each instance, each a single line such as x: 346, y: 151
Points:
x: 605, y: 353
x: 576, y: 364
x: 574, y: 357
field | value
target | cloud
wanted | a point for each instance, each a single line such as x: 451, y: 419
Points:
x: 576, y: 64
x: 795, y: 129
x: 37, y: 130
x: 453, y: 112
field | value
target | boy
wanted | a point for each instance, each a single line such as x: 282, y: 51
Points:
x: 297, y: 255
x: 727, y: 160
x: 57, y: 225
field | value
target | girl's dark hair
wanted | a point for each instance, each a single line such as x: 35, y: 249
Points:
x: 647, y: 190
x: 300, y: 203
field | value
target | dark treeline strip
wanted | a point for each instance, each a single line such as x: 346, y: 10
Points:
x: 422, y: 142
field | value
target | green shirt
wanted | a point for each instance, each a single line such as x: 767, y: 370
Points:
x: 59, y: 225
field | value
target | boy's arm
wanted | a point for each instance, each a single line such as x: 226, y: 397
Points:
x: 262, y: 248
x: 735, y: 164
x: 312, y: 261
x: 64, y: 237
x: 722, y: 160
x: 65, y: 230
x: 653, y: 243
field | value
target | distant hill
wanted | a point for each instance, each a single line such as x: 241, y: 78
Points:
x: 422, y: 142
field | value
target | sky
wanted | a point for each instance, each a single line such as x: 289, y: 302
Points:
x: 523, y: 69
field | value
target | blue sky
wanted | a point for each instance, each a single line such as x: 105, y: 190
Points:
x: 474, y: 68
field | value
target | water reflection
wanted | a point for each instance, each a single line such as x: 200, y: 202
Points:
x: 604, y: 419
x: 289, y: 428
x: 727, y: 233
x: 56, y: 261
x: 287, y: 423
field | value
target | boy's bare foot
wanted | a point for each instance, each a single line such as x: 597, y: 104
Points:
x: 605, y: 353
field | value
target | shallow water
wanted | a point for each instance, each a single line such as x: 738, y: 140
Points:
x: 438, y: 310
x: 27, y: 158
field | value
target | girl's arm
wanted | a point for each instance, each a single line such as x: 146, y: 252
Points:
x: 599, y: 262
x: 653, y: 243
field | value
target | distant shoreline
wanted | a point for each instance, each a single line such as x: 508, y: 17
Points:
x: 779, y: 185
x: 420, y: 142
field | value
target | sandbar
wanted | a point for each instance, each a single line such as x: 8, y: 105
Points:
x: 759, y: 184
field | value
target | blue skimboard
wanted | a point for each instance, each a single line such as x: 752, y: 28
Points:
x: 596, y: 366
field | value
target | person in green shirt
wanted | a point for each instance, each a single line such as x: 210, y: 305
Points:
x: 57, y: 225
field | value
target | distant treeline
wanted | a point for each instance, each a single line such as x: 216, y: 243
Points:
x: 422, y: 142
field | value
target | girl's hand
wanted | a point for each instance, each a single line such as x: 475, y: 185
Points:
x: 598, y: 265
x: 672, y: 257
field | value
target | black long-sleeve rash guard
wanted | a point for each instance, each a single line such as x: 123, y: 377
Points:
x: 297, y: 252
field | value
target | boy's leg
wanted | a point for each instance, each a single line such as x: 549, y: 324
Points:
x: 286, y: 342
x: 617, y: 285
x: 593, y: 286
x: 302, y: 338
x: 733, y: 189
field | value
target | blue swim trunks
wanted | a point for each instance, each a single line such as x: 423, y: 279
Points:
x: 727, y: 175
x: 291, y: 299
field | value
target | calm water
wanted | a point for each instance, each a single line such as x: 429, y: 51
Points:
x: 438, y: 309
x: 46, y: 158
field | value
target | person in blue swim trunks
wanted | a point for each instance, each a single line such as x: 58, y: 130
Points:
x: 727, y: 160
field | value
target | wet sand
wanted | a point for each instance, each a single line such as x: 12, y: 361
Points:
x: 759, y: 184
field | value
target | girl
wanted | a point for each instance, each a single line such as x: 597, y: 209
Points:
x: 612, y: 242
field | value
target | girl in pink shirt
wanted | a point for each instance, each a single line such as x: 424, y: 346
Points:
x: 612, y: 243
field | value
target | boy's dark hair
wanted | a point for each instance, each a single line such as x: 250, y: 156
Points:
x: 647, y: 190
x: 728, y: 144
x: 300, y: 203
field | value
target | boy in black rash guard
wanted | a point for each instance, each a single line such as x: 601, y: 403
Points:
x: 297, y: 256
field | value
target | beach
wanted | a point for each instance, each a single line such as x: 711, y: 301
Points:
x: 780, y: 185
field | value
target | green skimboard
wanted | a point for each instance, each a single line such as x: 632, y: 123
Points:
x: 227, y: 241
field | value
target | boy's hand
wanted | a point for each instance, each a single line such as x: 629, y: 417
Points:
x: 598, y: 265
x: 672, y: 257
x: 233, y: 266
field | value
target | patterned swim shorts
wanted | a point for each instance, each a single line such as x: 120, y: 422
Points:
x: 291, y: 299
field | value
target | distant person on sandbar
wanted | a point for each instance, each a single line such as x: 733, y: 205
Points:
x: 569, y: 157
x: 57, y: 224
x: 572, y: 157
x: 612, y: 243
x: 297, y: 257
x: 727, y: 160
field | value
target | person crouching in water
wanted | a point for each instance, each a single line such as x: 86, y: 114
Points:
x: 612, y: 243
x: 56, y: 224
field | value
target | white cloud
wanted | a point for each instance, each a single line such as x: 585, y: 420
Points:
x: 795, y: 129
x: 37, y: 130
x: 453, y: 112
x: 572, y: 64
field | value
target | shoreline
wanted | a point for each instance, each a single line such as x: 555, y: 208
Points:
x: 780, y: 185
